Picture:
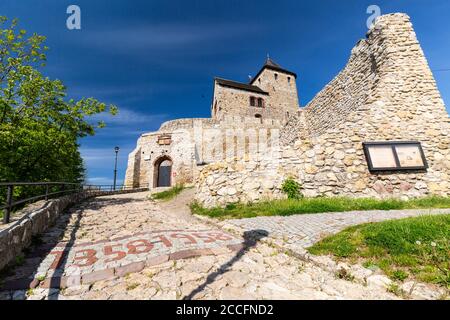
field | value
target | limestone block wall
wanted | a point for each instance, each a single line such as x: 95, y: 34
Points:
x: 386, y: 92
x: 188, y: 123
x: 143, y: 159
x: 195, y: 142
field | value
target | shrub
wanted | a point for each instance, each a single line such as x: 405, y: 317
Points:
x: 292, y: 189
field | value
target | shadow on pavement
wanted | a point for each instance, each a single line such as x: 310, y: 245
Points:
x: 251, y: 238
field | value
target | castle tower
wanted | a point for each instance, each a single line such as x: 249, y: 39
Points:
x: 271, y: 94
x: 281, y: 86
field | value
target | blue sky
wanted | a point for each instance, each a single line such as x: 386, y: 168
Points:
x: 156, y: 59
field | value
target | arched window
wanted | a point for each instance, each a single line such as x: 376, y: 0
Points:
x: 276, y: 76
x: 252, y: 101
x: 260, y: 102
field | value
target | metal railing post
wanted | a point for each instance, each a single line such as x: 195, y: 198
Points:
x: 9, y: 197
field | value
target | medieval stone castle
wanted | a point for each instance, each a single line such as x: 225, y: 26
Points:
x: 378, y: 129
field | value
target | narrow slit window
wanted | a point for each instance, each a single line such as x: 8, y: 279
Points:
x: 260, y: 102
x: 252, y: 101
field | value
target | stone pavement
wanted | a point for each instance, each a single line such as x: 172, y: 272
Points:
x: 298, y: 232
x: 128, y: 247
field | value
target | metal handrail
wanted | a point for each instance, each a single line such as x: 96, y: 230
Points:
x: 10, y: 203
x: 36, y: 183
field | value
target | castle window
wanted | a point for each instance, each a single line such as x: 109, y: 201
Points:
x: 276, y: 76
x: 289, y: 79
x: 258, y: 116
x: 252, y: 101
x: 260, y: 102
x: 259, y: 81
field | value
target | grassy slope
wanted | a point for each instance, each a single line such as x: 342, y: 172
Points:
x: 168, y: 194
x: 316, y: 205
x: 408, y: 248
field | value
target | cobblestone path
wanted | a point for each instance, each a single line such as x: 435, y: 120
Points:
x: 128, y: 247
x: 301, y: 231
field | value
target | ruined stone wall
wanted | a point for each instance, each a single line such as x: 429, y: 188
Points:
x: 385, y: 93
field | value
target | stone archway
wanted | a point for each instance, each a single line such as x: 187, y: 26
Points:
x: 162, y: 172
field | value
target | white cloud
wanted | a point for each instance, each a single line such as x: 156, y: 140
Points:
x: 166, y: 36
x: 129, y: 117
x: 102, y: 155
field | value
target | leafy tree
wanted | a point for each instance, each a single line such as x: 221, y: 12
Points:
x: 39, y: 126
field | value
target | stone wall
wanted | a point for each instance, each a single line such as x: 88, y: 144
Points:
x: 386, y: 92
x: 188, y: 123
x: 194, y: 142
x: 148, y: 152
x: 35, y: 219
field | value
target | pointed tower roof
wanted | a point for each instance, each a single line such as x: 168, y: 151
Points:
x: 270, y: 64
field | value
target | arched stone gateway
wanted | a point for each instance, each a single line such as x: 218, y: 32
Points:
x: 162, y: 176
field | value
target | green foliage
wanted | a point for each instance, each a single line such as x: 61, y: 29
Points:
x: 168, y: 194
x: 288, y: 207
x: 399, y: 275
x: 414, y: 247
x: 20, y: 260
x: 292, y: 189
x: 39, y: 126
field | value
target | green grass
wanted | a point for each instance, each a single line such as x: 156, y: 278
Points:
x: 316, y: 205
x: 168, y: 194
x: 412, y: 248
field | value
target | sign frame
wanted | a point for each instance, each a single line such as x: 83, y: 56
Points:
x: 393, y: 144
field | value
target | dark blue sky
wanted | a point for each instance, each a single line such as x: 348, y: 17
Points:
x: 156, y: 59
